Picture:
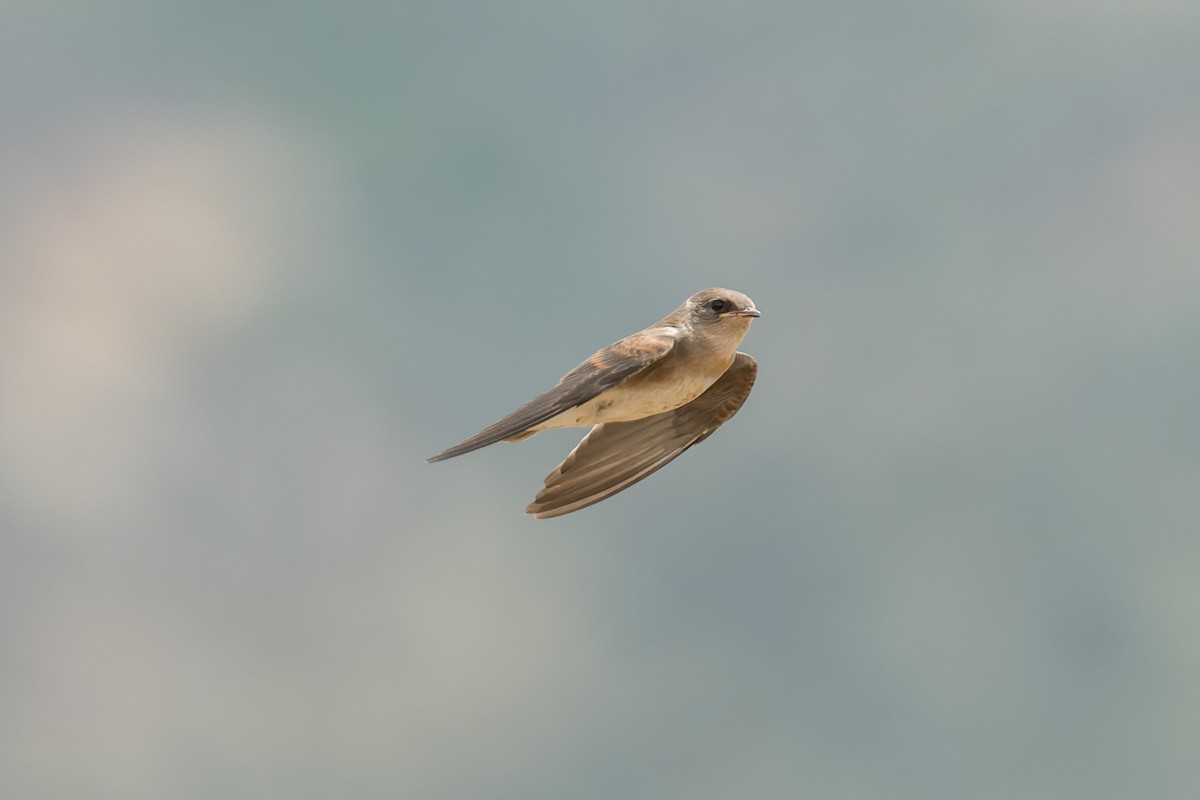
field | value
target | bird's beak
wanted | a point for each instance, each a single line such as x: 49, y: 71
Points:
x: 744, y: 312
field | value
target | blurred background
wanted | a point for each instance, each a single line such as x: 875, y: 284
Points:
x: 257, y: 261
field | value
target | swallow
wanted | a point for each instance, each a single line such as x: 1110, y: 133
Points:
x: 647, y: 398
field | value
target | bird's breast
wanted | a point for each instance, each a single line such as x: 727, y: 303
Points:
x: 655, y: 390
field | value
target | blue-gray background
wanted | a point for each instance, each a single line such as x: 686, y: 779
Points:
x: 258, y: 260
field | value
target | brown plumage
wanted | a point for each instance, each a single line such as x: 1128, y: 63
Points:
x: 648, y: 398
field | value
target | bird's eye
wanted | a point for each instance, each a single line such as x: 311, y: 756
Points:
x: 718, y: 305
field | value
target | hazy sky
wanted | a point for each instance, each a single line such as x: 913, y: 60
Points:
x: 257, y: 263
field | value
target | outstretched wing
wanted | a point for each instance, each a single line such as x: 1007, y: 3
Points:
x: 605, y: 369
x: 615, y: 455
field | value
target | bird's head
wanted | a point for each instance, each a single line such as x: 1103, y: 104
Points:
x: 721, y: 309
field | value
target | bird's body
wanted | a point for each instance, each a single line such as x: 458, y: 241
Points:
x: 670, y: 384
x: 662, y: 386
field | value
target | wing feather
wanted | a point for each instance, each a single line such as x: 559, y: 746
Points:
x: 615, y: 455
x: 605, y: 369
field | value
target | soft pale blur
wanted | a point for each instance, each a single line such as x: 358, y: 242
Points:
x: 257, y: 263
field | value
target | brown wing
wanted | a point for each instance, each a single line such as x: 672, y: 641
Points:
x: 616, y: 455
x: 605, y: 369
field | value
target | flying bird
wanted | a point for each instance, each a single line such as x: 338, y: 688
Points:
x: 647, y: 398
